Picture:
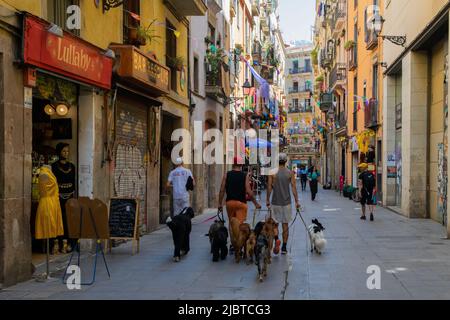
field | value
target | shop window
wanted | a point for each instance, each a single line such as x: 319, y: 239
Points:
x: 130, y: 23
x: 57, y: 13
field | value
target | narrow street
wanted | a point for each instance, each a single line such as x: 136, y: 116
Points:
x: 414, y: 262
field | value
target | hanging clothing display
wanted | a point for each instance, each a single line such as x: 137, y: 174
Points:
x: 49, y: 222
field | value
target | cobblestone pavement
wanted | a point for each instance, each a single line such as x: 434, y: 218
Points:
x: 412, y: 255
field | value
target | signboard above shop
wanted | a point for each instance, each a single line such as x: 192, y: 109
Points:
x: 142, y: 70
x: 65, y: 55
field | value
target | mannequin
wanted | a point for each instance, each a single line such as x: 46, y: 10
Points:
x: 64, y: 172
x: 48, y: 217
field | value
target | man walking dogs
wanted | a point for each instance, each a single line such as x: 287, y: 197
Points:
x: 281, y: 200
x: 366, y: 186
x: 178, y: 179
x: 236, y: 184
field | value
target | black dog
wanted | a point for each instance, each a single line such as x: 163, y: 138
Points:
x: 218, y: 237
x: 181, y: 227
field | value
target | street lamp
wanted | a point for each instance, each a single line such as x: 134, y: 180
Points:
x: 246, y: 88
x: 376, y: 24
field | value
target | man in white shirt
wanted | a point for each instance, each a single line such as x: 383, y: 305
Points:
x: 177, y: 180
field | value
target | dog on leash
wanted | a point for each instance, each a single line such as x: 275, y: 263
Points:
x: 250, y: 247
x: 218, y: 237
x: 265, y: 234
x: 317, y: 237
x: 181, y: 227
x: 239, y: 236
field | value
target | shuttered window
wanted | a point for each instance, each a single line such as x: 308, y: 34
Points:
x: 57, y: 13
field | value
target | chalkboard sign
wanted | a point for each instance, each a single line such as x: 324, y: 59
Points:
x: 123, y: 218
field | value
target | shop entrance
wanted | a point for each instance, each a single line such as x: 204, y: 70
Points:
x: 170, y: 123
x: 54, y: 120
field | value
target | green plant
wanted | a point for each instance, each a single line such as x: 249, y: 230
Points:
x: 238, y: 49
x: 147, y: 33
x: 314, y: 57
x: 175, y: 62
x: 214, y: 60
x: 349, y: 44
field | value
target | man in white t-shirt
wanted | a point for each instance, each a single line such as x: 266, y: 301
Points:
x: 177, y: 180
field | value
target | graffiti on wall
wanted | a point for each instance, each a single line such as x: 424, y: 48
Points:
x: 442, y: 156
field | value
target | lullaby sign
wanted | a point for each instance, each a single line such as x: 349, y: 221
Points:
x: 67, y: 54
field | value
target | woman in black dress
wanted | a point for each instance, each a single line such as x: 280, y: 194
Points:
x: 65, y: 174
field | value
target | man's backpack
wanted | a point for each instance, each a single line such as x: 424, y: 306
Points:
x: 190, y: 184
x: 369, y: 180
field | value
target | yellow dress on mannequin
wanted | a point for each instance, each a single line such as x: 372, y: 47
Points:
x: 49, y: 222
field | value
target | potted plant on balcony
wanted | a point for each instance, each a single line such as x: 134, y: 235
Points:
x: 238, y: 49
x: 349, y: 45
x: 214, y: 61
x: 177, y: 62
x: 147, y: 33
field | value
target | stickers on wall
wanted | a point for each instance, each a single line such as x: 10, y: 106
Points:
x: 183, y: 79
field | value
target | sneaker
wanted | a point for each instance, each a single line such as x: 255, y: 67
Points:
x: 371, y: 217
x: 176, y: 259
x: 363, y: 218
x: 284, y: 249
x: 276, y: 249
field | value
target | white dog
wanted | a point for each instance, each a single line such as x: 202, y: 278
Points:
x: 318, y: 241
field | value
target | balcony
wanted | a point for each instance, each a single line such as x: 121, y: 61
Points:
x: 257, y: 52
x: 302, y: 89
x: 339, y: 17
x: 325, y: 60
x: 301, y: 149
x: 301, y: 109
x: 371, y: 114
x: 352, y: 59
x: 214, y: 85
x: 215, y: 6
x: 187, y: 8
x: 338, y: 76
x: 326, y: 102
x: 294, y: 71
x: 256, y: 8
x: 341, y: 123
x: 371, y: 40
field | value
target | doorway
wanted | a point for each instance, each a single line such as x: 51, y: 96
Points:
x: 169, y: 123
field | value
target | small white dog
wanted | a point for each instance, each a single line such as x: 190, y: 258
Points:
x: 316, y: 236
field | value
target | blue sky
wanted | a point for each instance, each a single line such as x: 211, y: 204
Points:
x: 296, y: 18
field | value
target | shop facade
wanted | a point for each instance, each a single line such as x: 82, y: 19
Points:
x: 136, y: 131
x: 415, y: 119
x: 56, y: 90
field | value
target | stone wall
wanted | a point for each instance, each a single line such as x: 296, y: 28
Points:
x: 15, y: 168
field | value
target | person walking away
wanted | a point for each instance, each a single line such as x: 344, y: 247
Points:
x: 303, y: 177
x: 64, y: 172
x: 366, y: 185
x: 236, y: 185
x: 178, y: 179
x: 280, y: 187
x: 313, y: 178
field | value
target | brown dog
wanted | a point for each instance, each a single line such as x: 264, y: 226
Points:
x: 239, y: 235
x: 250, y: 247
x: 269, y: 232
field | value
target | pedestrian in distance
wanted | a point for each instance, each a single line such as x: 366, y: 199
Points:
x: 178, y: 181
x: 303, y: 177
x: 236, y: 186
x: 280, y: 187
x: 313, y: 178
x: 366, y: 185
